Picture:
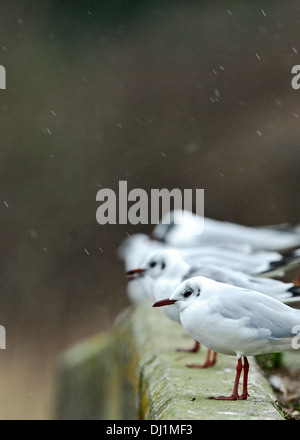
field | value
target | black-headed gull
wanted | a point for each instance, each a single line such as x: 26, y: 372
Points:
x: 192, y: 230
x: 235, y: 322
x: 135, y: 249
x: 164, y: 270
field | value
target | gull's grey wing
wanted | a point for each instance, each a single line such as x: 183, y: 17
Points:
x: 262, y: 312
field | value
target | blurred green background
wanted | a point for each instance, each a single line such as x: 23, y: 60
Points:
x: 175, y: 94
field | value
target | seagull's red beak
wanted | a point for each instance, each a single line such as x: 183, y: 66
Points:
x: 133, y: 274
x: 164, y: 302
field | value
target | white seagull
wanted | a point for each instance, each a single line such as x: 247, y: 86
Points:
x: 164, y: 270
x: 184, y: 229
x: 235, y: 322
x: 136, y: 248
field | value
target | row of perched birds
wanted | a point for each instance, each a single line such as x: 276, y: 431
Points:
x: 223, y: 283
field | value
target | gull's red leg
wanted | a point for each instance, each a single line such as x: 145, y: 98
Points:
x: 195, y: 349
x: 245, y: 380
x: 235, y: 394
x: 208, y: 362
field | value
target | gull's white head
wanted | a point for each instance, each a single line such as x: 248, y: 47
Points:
x: 165, y: 263
x: 187, y: 292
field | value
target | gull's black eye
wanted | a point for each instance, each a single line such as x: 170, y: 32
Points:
x: 152, y: 264
x: 163, y: 265
x: 187, y: 293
